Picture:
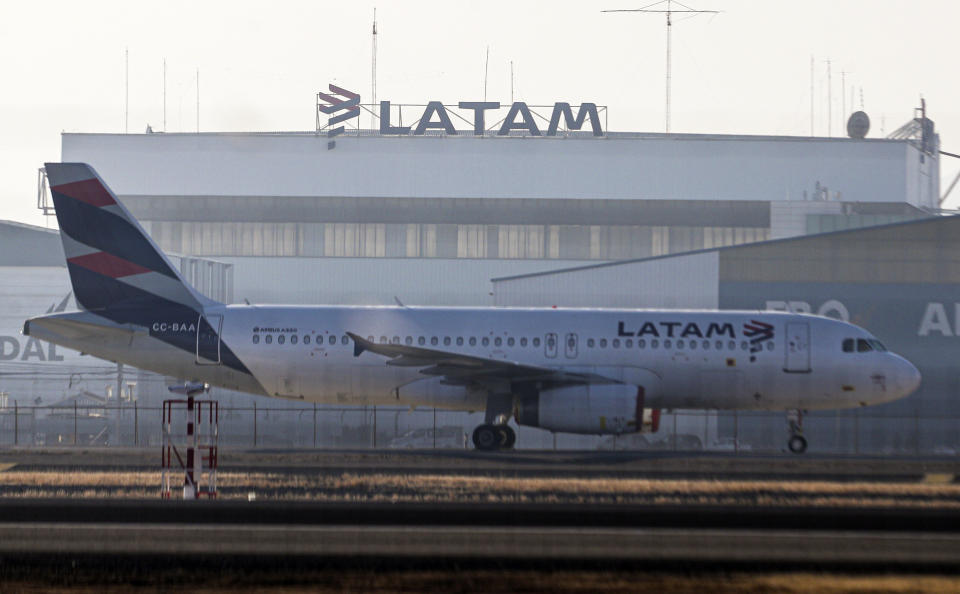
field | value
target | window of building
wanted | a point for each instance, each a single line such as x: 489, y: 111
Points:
x: 520, y: 241
x: 355, y: 240
x: 471, y: 241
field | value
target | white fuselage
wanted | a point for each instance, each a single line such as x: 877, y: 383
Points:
x: 684, y: 359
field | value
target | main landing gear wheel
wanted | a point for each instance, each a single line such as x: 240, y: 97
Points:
x: 797, y: 444
x: 508, y: 437
x: 489, y: 438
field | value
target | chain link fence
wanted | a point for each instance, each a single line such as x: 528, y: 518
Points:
x: 326, y: 427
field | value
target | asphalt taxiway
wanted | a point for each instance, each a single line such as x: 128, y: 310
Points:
x: 906, y: 538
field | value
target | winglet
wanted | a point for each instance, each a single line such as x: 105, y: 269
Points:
x: 358, y: 347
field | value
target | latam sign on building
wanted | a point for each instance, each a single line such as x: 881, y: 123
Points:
x: 436, y: 116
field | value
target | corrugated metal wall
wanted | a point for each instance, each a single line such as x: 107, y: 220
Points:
x: 685, y: 281
x: 373, y: 281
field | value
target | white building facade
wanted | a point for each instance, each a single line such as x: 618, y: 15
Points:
x: 430, y: 219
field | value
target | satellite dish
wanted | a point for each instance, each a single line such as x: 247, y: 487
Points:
x: 858, y: 125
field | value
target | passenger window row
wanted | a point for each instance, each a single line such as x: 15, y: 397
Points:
x: 671, y: 344
x: 295, y: 339
x: 535, y: 342
x: 460, y: 341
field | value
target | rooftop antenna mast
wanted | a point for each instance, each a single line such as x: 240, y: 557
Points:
x: 486, y: 70
x: 164, y: 94
x: 373, y: 75
x: 657, y: 8
x: 126, y: 90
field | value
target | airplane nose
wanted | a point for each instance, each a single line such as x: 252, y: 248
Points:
x: 909, y: 377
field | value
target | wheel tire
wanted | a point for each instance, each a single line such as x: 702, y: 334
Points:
x: 797, y: 444
x: 486, y: 438
x: 509, y: 437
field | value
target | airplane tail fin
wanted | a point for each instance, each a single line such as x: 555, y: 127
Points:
x: 112, y: 261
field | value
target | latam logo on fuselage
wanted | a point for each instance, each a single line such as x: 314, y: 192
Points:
x: 755, y: 330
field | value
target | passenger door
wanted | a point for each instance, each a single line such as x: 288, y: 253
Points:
x: 208, y: 339
x: 797, y: 348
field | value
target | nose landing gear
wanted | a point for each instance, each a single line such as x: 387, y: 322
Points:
x: 797, y: 442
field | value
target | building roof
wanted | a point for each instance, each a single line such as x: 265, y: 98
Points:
x: 29, y: 245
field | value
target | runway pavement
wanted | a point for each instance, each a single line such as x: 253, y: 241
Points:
x: 876, y: 537
x: 524, y: 463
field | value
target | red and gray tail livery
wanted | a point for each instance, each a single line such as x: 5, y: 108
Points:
x: 112, y: 262
x: 118, y: 272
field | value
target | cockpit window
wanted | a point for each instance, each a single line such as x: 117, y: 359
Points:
x: 862, y: 345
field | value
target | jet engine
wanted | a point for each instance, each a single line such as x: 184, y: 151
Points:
x: 610, y: 409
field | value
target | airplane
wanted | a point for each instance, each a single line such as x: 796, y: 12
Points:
x: 586, y: 371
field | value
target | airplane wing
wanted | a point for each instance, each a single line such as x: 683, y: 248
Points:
x: 457, y: 368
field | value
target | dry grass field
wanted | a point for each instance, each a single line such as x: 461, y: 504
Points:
x: 467, y: 580
x: 425, y: 488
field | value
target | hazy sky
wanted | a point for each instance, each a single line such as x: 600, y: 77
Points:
x: 746, y: 70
